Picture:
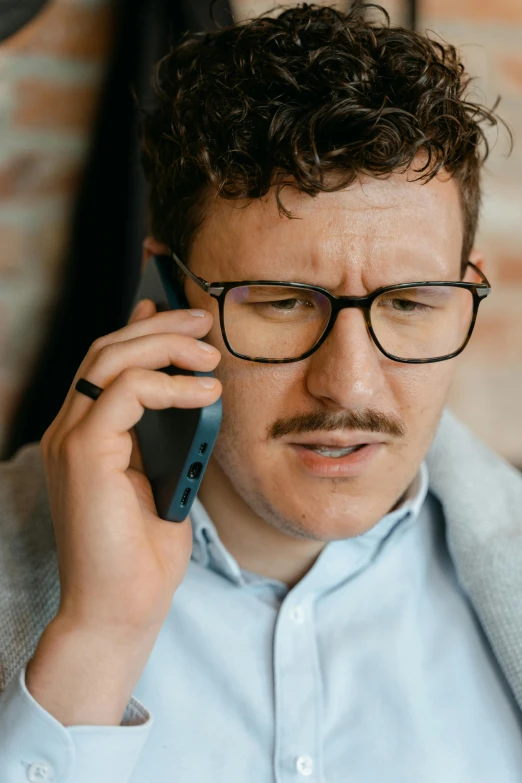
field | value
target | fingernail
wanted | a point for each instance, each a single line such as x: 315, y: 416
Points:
x: 206, y: 347
x: 207, y: 382
x: 197, y: 313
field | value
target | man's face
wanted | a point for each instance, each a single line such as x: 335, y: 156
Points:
x: 372, y: 234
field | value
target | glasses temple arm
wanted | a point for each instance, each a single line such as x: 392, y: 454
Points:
x: 203, y: 284
x: 483, y: 276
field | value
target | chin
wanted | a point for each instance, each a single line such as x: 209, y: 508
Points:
x: 329, y: 507
x: 331, y: 519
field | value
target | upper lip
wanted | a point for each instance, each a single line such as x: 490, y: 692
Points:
x: 338, y: 441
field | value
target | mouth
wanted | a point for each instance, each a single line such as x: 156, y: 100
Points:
x: 325, y: 460
x: 332, y: 451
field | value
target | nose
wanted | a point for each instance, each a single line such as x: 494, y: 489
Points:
x: 346, y: 372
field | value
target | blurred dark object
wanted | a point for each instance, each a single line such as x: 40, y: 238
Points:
x: 412, y: 14
x: 14, y: 14
x: 103, y: 263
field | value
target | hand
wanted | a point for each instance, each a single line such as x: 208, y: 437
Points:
x: 119, y: 563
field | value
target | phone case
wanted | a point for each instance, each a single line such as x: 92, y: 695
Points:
x: 175, y: 443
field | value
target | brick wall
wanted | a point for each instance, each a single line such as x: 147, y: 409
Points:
x: 50, y: 74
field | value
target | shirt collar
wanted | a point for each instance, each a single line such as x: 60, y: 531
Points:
x: 209, y: 551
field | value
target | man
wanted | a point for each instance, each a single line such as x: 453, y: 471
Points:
x: 345, y: 604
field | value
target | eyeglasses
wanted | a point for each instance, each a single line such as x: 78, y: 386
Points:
x: 276, y: 322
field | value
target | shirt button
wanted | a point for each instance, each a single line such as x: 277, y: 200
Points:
x: 297, y: 614
x: 39, y: 771
x: 304, y: 765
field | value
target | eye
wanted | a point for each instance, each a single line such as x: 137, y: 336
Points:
x: 405, y: 305
x: 289, y: 304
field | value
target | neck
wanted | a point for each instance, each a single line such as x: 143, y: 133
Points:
x: 256, y: 545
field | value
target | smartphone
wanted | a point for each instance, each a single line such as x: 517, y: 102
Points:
x: 175, y: 443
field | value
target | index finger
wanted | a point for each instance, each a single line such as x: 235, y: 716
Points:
x: 189, y: 322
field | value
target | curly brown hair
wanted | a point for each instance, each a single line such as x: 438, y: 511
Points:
x: 298, y: 98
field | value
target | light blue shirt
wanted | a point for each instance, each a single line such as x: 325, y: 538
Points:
x: 372, y: 668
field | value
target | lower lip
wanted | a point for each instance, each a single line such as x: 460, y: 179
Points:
x: 351, y: 465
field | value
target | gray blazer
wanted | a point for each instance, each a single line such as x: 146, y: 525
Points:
x: 481, y: 495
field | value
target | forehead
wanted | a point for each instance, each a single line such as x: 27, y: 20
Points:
x: 394, y: 227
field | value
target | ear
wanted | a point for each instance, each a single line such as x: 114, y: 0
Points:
x: 151, y: 247
x: 476, y: 257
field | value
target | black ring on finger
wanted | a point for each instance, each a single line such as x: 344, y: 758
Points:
x: 89, y: 389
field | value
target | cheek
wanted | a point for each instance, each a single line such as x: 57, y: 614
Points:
x: 420, y: 391
x: 254, y: 396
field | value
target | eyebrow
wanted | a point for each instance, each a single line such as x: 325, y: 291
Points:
x: 431, y: 291
x: 264, y: 288
x: 428, y: 291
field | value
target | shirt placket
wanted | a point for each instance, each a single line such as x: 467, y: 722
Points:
x: 298, y: 693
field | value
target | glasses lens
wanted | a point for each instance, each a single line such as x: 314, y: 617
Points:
x: 274, y: 322
x: 422, y: 322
